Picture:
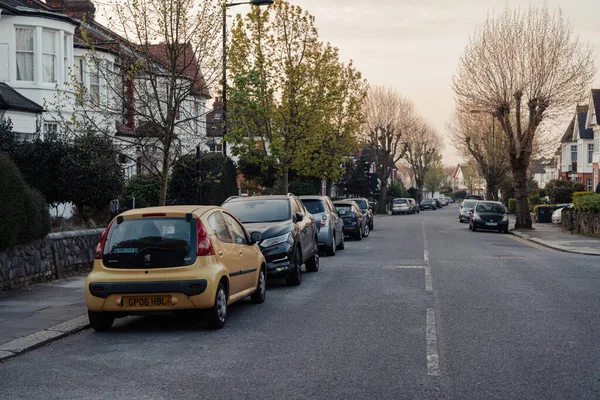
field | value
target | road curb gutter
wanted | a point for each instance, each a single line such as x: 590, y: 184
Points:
x: 550, y: 245
x: 45, y: 336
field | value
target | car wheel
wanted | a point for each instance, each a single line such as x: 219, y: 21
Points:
x: 342, y: 243
x: 217, y: 315
x: 312, y: 264
x: 366, y: 231
x: 505, y: 230
x: 100, y: 321
x: 371, y: 224
x: 330, y: 251
x: 258, y: 297
x: 473, y: 228
x: 294, y: 278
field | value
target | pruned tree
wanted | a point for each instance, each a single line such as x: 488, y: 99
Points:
x: 474, y: 136
x: 390, y: 118
x: 471, y: 175
x: 423, y: 147
x: 524, y: 67
x: 149, y: 74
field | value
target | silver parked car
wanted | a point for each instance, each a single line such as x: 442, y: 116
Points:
x: 465, y: 208
x: 331, y: 233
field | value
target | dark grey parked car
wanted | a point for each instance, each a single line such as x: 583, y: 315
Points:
x: 331, y: 233
x: 366, y: 209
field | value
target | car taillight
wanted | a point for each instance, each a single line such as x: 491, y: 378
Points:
x: 204, y: 245
x: 324, y: 220
x: 100, y: 247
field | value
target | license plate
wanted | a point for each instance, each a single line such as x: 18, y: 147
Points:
x: 147, y: 301
x: 491, y: 223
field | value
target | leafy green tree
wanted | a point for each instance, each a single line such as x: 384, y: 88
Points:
x: 218, y: 180
x: 356, y: 181
x: 145, y: 188
x: 561, y: 191
x: 291, y: 96
x: 397, y: 189
x: 435, y: 178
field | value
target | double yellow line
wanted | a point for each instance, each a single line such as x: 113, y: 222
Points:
x: 532, y: 244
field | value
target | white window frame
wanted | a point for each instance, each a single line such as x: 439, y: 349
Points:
x: 94, y: 86
x: 590, y: 185
x: 44, y: 53
x: 50, y: 127
x: 590, y: 153
x: 32, y: 52
x: 573, y: 153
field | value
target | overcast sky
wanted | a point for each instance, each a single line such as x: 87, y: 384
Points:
x: 414, y: 45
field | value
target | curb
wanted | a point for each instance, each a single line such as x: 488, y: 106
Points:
x: 27, y: 343
x: 551, y: 246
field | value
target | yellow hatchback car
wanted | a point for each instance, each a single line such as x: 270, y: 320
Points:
x: 175, y: 258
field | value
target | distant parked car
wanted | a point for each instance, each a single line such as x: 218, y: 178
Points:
x: 414, y: 206
x: 438, y: 203
x: 288, y: 234
x: 557, y: 216
x: 489, y: 215
x: 428, y: 204
x: 401, y: 206
x: 331, y: 233
x: 355, y: 223
x: 464, y: 211
x: 474, y: 197
x: 366, y: 209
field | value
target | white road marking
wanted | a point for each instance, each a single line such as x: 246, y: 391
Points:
x: 426, y: 255
x: 433, y: 358
x: 409, y: 267
x: 428, y: 284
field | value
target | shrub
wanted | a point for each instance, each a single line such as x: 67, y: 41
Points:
x: 218, y: 180
x: 587, y: 203
x: 534, y: 200
x: 598, y: 188
x: 145, y: 189
x: 28, y: 218
x: 578, y: 195
x: 512, y: 206
x: 542, y: 193
x: 305, y: 186
x: 460, y: 195
x: 561, y: 191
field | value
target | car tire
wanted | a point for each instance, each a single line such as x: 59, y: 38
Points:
x: 312, y: 264
x: 505, y: 230
x: 371, y: 224
x: 100, y: 321
x: 259, y: 296
x: 342, y: 243
x: 473, y: 228
x: 330, y: 251
x: 217, y: 315
x: 366, y: 231
x: 294, y: 278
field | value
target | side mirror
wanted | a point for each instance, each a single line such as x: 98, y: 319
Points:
x: 299, y: 216
x: 255, y: 237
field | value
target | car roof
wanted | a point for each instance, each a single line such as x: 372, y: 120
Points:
x: 313, y: 197
x: 169, y: 210
x: 346, y: 202
x: 488, y: 202
x: 255, y: 198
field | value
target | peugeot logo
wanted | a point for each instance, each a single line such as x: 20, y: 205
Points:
x: 147, y: 257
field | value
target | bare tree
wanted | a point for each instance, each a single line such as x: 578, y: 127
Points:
x: 474, y: 137
x: 423, y: 147
x: 524, y: 67
x: 389, y: 117
x: 149, y: 74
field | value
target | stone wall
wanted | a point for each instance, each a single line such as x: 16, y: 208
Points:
x: 57, y: 256
x: 581, y: 222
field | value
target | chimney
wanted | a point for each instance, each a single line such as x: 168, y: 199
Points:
x: 82, y: 10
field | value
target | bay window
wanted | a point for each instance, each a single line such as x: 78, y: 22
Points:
x: 25, y: 55
x: 49, y: 56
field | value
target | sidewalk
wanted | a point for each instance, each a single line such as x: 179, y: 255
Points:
x: 551, y: 235
x: 35, y: 315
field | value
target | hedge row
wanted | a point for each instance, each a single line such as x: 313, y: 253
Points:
x: 586, y: 202
x: 27, y: 218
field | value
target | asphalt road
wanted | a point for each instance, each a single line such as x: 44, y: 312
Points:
x: 421, y: 309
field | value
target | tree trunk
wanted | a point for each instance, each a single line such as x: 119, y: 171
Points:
x: 286, y: 182
x: 383, y: 198
x: 493, y: 195
x: 164, y: 180
x: 328, y: 185
x: 523, y: 216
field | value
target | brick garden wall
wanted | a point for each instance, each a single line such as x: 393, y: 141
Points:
x: 57, y: 256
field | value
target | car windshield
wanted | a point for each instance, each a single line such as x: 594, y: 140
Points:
x: 490, y: 208
x: 314, y: 206
x: 362, y: 204
x: 150, y: 243
x: 468, y: 203
x: 399, y: 201
x: 252, y: 211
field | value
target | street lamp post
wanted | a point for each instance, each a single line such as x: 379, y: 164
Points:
x: 225, y: 7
